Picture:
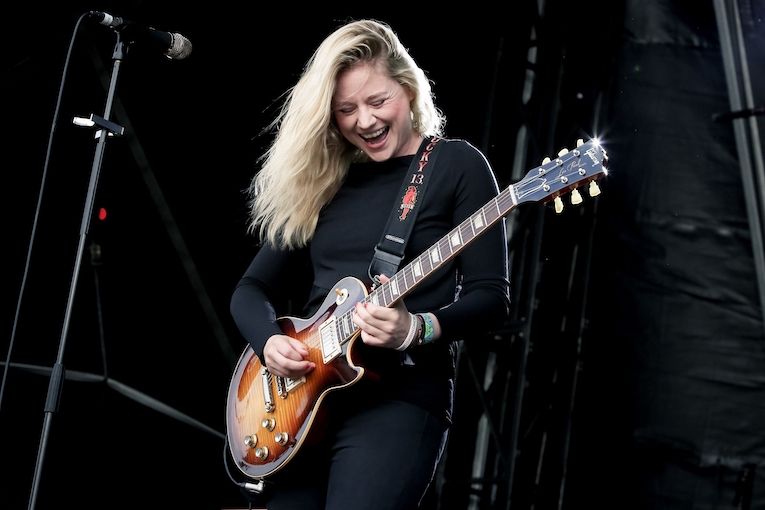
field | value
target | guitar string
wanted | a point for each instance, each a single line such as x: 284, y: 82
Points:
x: 503, y: 203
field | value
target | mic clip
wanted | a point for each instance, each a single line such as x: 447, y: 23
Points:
x: 112, y: 129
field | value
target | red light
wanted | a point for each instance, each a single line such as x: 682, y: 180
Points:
x: 102, y: 214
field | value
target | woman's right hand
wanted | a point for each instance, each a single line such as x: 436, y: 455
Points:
x: 287, y: 357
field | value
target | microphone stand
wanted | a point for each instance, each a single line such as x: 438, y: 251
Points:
x: 106, y: 130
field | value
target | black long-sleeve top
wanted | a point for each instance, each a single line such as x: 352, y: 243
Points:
x: 280, y: 281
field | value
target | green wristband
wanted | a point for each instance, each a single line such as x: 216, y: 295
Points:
x: 428, y: 330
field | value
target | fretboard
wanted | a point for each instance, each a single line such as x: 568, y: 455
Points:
x: 443, y: 250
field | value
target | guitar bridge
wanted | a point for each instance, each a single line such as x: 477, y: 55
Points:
x: 286, y: 384
x: 281, y: 387
x: 294, y: 383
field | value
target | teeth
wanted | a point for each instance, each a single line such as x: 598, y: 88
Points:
x: 372, y: 135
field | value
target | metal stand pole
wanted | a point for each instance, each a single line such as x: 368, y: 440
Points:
x: 745, y: 130
x: 55, y: 385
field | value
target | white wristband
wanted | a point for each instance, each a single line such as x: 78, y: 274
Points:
x: 410, y: 335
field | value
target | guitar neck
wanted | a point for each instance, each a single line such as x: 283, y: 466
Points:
x: 443, y: 250
x: 569, y: 170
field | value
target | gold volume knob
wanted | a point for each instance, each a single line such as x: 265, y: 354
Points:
x: 262, y: 452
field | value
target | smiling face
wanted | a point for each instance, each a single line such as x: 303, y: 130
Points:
x: 372, y: 112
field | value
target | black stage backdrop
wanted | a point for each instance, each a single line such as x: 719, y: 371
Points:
x: 669, y: 412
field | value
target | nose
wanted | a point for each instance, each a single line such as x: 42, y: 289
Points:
x: 366, y: 118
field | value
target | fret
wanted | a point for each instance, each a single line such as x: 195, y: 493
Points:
x: 435, y: 254
x: 478, y: 221
x: 373, y: 298
x: 444, y: 247
x: 455, y: 239
x: 489, y: 214
x: 504, y: 198
x: 394, y: 287
x: 417, y: 268
x: 467, y: 236
x: 407, y: 272
x: 345, y: 331
x: 385, y: 295
x: 427, y: 265
x: 349, y: 324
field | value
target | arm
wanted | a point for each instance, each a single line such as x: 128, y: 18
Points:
x: 273, y: 277
x: 484, y: 296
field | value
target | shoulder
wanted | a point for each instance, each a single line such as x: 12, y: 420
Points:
x: 459, y: 148
x: 463, y: 156
x: 463, y: 159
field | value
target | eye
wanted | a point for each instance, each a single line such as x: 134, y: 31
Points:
x: 377, y: 102
x: 346, y: 110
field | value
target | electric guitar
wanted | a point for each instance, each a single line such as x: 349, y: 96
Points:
x: 269, y: 418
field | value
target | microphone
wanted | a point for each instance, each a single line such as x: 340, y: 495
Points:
x: 173, y: 45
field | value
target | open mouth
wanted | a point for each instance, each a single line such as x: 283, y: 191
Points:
x: 377, y: 136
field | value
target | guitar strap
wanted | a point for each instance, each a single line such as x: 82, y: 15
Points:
x: 389, y: 252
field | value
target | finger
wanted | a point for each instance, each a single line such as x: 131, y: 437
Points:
x: 360, y: 313
x: 366, y: 325
x: 289, y: 352
x: 379, y: 312
x: 388, y: 320
x: 399, y: 303
x: 369, y: 339
x: 278, y: 359
x: 297, y: 366
x: 292, y: 368
x: 375, y: 314
x: 298, y: 346
x: 362, y: 318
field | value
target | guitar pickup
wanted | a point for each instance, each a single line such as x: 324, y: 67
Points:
x: 330, y: 342
x: 268, y: 396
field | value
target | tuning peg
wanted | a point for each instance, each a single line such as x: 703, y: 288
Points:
x: 558, y: 205
x: 576, y: 197
x: 563, y: 152
x: 594, y: 190
x: 546, y: 160
x: 579, y: 142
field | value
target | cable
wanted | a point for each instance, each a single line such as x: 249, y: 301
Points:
x: 248, y: 488
x: 35, y: 223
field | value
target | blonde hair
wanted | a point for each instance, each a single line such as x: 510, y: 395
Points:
x: 309, y: 158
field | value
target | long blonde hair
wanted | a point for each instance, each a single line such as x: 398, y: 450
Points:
x: 309, y: 158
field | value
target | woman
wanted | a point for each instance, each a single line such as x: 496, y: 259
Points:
x: 346, y: 137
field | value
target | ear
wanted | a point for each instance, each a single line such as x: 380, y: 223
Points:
x: 410, y: 94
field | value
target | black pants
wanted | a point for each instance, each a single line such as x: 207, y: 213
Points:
x: 380, y: 454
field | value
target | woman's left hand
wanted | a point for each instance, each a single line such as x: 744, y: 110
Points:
x: 382, y: 326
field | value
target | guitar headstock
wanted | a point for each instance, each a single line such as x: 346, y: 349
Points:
x: 569, y: 171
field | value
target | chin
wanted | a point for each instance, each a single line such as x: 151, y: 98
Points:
x: 380, y: 156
